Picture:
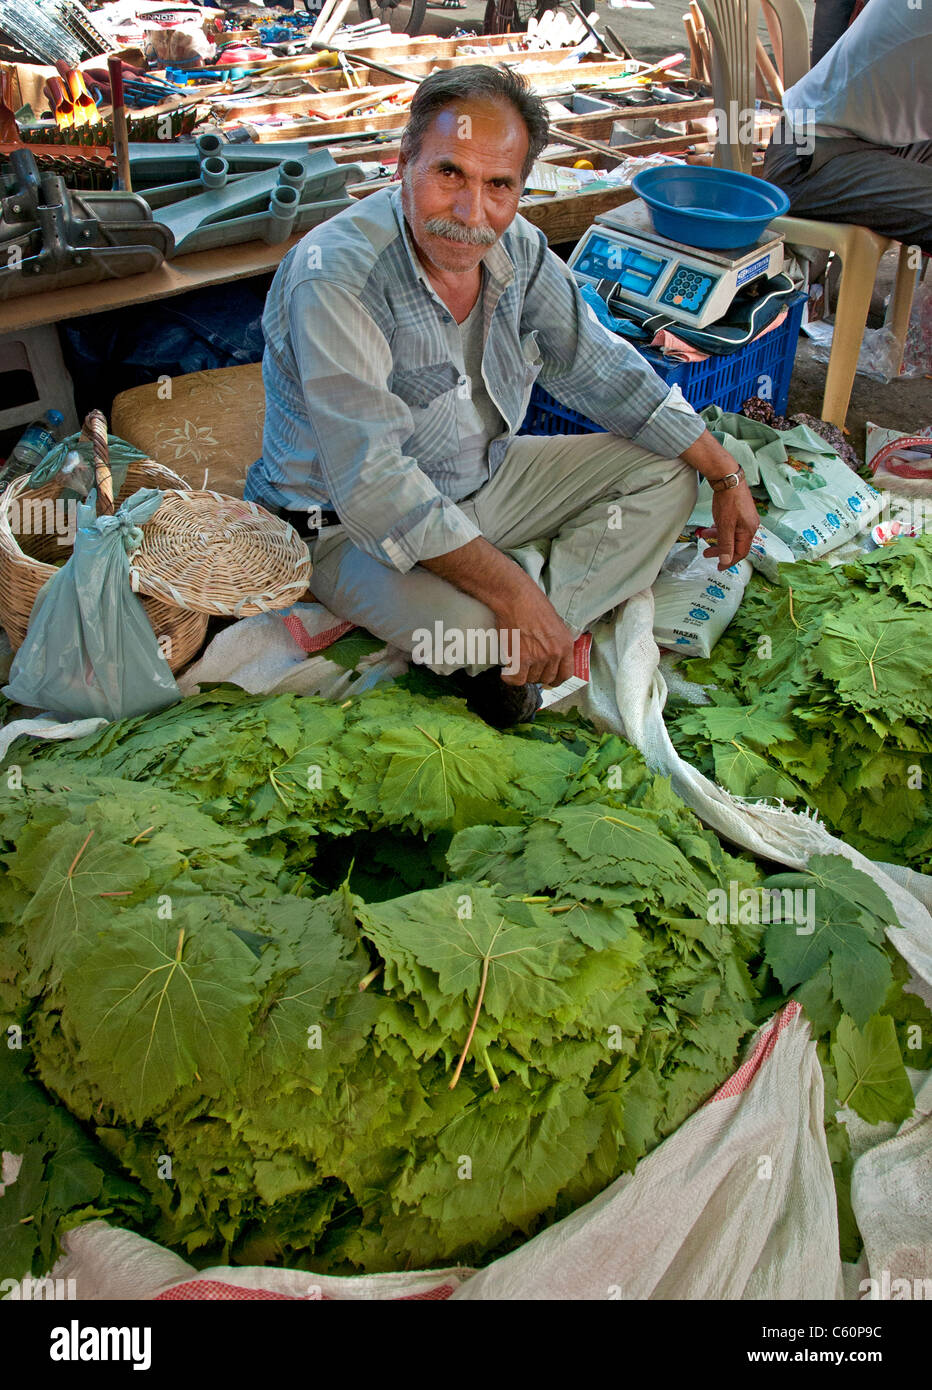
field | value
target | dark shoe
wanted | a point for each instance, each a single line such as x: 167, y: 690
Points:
x: 500, y: 705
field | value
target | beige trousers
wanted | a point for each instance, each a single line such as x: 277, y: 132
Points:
x: 590, y: 517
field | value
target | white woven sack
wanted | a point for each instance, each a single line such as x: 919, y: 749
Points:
x: 891, y: 1195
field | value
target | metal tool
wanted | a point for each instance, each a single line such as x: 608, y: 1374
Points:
x: 371, y: 63
x: 53, y: 237
x: 87, y: 170
x: 56, y: 29
x: 621, y: 49
x: 139, y: 89
x: 624, y: 259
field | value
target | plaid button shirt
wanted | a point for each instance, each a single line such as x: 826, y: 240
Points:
x: 361, y: 377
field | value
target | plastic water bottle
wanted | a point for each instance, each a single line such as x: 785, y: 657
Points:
x: 34, y: 443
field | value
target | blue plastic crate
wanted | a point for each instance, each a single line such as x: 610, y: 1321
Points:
x: 764, y: 367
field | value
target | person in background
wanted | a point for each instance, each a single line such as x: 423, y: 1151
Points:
x: 855, y: 140
x: 831, y: 19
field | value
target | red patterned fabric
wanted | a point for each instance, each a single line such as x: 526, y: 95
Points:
x: 215, y: 1290
x: 746, y: 1073
x: 318, y: 641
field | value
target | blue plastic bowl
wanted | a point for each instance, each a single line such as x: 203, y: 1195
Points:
x: 713, y: 208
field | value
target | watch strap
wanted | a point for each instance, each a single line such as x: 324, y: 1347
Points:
x: 730, y: 480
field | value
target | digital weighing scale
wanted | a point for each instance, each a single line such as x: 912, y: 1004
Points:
x: 623, y: 258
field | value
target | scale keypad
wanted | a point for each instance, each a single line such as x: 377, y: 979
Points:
x: 687, y: 290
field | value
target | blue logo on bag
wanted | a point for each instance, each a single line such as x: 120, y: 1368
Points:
x: 855, y: 503
x: 699, y: 614
x: 810, y: 536
x: 714, y: 591
x: 833, y: 520
x: 682, y: 641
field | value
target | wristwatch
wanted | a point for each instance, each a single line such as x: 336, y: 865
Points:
x: 730, y: 480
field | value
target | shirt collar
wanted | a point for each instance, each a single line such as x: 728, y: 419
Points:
x: 496, y: 260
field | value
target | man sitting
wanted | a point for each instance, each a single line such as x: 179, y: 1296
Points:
x: 403, y: 337
x: 855, y: 142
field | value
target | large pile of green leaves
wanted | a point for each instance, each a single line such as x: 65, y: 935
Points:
x: 821, y: 696
x: 376, y: 987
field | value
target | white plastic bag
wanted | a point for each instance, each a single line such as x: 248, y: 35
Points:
x: 768, y: 552
x: 815, y: 501
x: 694, y: 601
x: 837, y: 509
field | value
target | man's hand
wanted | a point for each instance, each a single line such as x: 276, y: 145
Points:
x: 545, y: 652
x: 733, y: 511
x: 736, y: 519
x: 539, y: 640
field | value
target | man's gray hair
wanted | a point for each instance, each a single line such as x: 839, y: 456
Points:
x: 472, y: 83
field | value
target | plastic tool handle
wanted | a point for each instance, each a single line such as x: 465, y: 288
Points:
x: 60, y: 102
x: 85, y: 107
x: 8, y: 127
x: 115, y: 69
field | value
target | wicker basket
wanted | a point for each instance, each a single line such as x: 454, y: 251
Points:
x: 220, y: 555
x: 22, y: 575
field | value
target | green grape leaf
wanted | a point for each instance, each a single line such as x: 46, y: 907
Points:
x: 170, y: 999
x: 872, y: 1079
x: 80, y: 877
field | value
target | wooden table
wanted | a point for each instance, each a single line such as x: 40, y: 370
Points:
x: 563, y: 218
x: 194, y: 272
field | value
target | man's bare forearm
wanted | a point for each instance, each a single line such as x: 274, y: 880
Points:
x: 542, y: 644
x: 482, y: 571
x: 709, y: 458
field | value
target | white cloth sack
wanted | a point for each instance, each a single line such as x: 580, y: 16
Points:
x: 739, y: 1203
x: 891, y: 1195
x: 276, y: 652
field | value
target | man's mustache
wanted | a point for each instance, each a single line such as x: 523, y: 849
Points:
x: 455, y: 231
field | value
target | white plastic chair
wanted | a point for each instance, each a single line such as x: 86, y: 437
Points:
x: 732, y: 30
x: 38, y: 352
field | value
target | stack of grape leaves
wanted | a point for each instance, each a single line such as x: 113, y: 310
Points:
x: 389, y: 989
x: 820, y: 696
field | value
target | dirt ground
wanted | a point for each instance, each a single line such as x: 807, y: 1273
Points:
x: 654, y: 34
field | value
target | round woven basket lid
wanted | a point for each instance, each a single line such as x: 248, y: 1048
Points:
x: 221, y: 555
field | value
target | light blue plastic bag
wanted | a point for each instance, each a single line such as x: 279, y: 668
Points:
x: 90, y: 649
x: 119, y: 457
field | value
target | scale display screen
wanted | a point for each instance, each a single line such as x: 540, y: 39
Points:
x: 603, y: 258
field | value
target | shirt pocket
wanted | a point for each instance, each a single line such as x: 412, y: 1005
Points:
x: 422, y: 386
